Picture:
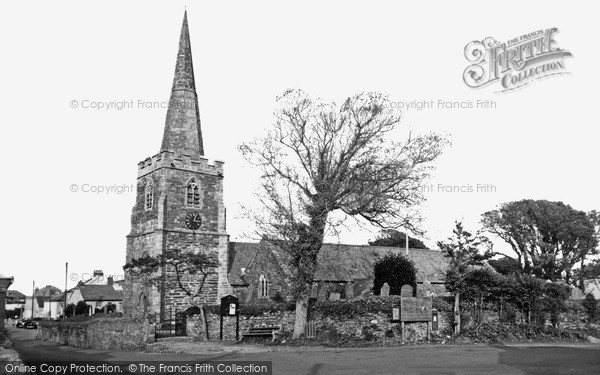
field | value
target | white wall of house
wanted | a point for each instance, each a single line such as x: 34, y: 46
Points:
x: 76, y: 296
x: 593, y: 286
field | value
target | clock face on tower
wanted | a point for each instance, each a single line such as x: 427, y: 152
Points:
x: 193, y: 220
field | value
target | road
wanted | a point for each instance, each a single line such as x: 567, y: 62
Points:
x: 423, y: 360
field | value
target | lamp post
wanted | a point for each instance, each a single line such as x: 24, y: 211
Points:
x: 5, y: 282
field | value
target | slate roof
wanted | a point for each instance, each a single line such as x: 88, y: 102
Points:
x: 352, y: 262
x: 15, y: 294
x: 58, y: 297
x: 100, y: 293
x: 339, y: 262
x: 48, y: 290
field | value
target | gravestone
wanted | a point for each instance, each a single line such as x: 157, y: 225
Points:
x: 406, y: 291
x: 425, y: 289
x: 322, y: 293
x: 385, y: 290
x: 334, y: 296
x: 349, y: 290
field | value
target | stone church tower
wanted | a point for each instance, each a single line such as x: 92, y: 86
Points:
x: 179, y: 203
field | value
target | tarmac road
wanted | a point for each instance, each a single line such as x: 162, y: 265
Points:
x: 425, y: 360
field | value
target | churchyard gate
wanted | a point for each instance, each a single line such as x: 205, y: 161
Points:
x: 174, y: 325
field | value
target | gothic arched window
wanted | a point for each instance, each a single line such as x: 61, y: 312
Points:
x: 149, y: 195
x: 193, y: 193
x: 263, y: 285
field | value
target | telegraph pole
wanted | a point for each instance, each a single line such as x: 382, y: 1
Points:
x: 32, y: 298
x: 65, y: 306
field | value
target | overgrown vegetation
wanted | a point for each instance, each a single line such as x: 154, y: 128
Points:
x: 591, y: 307
x: 396, y: 270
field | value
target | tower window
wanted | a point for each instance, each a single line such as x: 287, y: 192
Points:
x: 193, y: 193
x: 263, y: 285
x: 149, y: 196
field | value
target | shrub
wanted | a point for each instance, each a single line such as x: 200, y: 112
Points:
x: 506, y: 265
x: 396, y: 270
x: 81, y: 308
x: 70, y: 309
x: 591, y: 307
x: 278, y: 297
x: 554, y: 298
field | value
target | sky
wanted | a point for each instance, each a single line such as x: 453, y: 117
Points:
x: 64, y: 63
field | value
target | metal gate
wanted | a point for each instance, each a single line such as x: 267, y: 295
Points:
x: 174, y: 326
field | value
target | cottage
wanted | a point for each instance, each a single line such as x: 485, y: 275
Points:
x: 106, y: 297
x: 15, y: 300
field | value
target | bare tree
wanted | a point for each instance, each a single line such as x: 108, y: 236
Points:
x: 320, y: 158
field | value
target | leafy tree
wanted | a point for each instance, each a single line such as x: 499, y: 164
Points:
x: 396, y: 270
x: 505, y: 265
x: 82, y: 308
x: 187, y: 271
x: 69, y: 310
x: 394, y: 238
x: 527, y: 294
x: 464, y: 251
x: 554, y: 300
x: 321, y: 163
x: 549, y: 238
x: 589, y: 271
x: 479, y: 285
x: 591, y: 307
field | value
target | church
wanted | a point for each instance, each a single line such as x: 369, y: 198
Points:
x: 179, y: 206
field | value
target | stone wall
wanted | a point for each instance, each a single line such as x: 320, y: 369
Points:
x: 100, y: 333
x: 367, y: 327
x: 285, y: 320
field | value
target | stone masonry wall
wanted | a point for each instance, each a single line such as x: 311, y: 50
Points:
x: 100, y: 333
x: 369, y: 327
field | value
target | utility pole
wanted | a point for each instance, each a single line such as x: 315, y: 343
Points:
x: 32, y: 298
x: 65, y: 306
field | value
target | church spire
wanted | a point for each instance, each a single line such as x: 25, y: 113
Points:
x: 182, y: 127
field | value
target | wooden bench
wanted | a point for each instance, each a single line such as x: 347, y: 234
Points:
x: 261, y: 331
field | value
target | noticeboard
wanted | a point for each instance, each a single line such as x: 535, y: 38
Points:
x: 413, y: 309
x: 229, y: 306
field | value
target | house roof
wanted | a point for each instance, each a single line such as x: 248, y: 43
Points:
x: 58, y: 298
x: 48, y: 290
x: 339, y: 262
x: 100, y: 293
x: 14, y: 294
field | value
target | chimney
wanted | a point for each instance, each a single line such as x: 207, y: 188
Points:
x: 98, y: 273
x: 110, y: 280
